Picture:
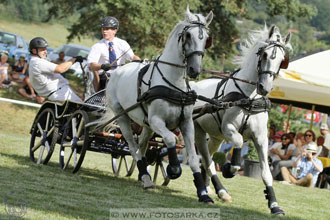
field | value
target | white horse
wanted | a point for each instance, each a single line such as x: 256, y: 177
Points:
x: 166, y: 99
x: 263, y: 56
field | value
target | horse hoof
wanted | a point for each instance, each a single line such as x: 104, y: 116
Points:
x: 277, y: 211
x: 206, y: 199
x: 147, y: 183
x: 173, y: 172
x: 226, y: 171
x: 224, y: 196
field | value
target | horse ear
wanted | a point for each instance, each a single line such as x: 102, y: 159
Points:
x: 288, y: 38
x: 189, y: 16
x: 271, y: 31
x: 209, y: 18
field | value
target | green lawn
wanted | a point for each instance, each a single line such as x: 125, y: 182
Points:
x: 55, y: 34
x: 50, y: 193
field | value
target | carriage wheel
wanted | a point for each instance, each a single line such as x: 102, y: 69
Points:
x: 166, y: 179
x: 74, y: 142
x: 43, y: 137
x: 117, y: 163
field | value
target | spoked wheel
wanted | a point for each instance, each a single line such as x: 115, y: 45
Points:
x: 43, y: 137
x: 74, y: 142
x: 160, y: 166
x: 123, y: 165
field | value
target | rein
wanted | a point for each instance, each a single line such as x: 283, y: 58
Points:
x: 223, y: 75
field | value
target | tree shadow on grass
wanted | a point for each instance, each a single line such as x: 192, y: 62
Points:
x: 91, y: 193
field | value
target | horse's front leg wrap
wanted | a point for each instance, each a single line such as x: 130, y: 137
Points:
x: 272, y: 204
x: 229, y: 170
x: 201, y: 188
x: 173, y: 169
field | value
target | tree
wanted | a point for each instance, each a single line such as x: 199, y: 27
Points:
x: 147, y: 23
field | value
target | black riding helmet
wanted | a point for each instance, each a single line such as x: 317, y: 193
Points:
x: 109, y: 22
x: 36, y: 43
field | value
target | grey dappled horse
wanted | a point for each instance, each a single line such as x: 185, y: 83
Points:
x: 166, y: 100
x: 263, y: 55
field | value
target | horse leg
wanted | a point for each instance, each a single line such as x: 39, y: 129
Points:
x: 125, y: 127
x: 187, y: 129
x: 222, y: 193
x: 158, y: 125
x: 145, y: 136
x: 229, y: 170
x: 262, y: 149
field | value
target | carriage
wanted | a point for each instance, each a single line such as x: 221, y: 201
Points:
x: 73, y: 126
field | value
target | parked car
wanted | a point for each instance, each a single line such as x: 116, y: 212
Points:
x: 14, y: 45
x: 71, y: 50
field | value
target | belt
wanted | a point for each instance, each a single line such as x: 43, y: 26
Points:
x: 53, y: 92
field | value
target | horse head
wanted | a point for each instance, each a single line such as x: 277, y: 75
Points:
x: 272, y: 58
x: 194, y: 40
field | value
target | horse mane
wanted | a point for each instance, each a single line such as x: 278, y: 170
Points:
x: 255, y: 40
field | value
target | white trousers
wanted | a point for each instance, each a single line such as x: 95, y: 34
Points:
x: 64, y: 93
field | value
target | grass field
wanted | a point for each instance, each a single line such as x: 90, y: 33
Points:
x: 55, y: 34
x: 50, y: 193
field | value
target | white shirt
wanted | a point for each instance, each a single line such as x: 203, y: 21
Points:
x: 327, y: 142
x: 4, y: 70
x: 99, y: 52
x: 43, y: 77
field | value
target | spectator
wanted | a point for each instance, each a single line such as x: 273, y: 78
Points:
x: 284, y: 153
x: 324, y: 129
x: 309, y: 168
x: 19, y: 69
x: 60, y: 58
x: 272, y: 131
x: 309, y: 136
x: 4, y: 81
x: 277, y: 143
x: 286, y: 127
x: 319, y: 143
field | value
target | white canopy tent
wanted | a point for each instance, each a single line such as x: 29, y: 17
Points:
x: 305, y: 83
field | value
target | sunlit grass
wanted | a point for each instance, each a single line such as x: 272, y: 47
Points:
x: 51, y: 193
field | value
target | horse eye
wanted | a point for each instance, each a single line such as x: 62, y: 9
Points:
x: 264, y: 56
x: 188, y: 35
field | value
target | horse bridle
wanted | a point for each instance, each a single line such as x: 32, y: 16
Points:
x: 183, y: 38
x: 260, y: 53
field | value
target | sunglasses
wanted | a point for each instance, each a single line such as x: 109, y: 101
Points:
x: 308, y: 135
x: 284, y: 139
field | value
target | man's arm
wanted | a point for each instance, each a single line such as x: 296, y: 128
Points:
x: 63, y: 67
x: 134, y: 57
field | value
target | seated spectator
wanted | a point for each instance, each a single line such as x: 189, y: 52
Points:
x: 28, y: 92
x: 319, y: 143
x: 309, y: 136
x: 323, y: 178
x: 284, y: 153
x: 60, y: 58
x: 324, y: 129
x: 4, y: 81
x: 309, y: 168
x: 19, y: 69
x: 272, y: 130
x: 277, y: 142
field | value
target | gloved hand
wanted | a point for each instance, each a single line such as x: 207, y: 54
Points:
x: 106, y: 67
x: 79, y: 59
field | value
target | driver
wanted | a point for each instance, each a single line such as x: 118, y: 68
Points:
x: 108, y: 53
x: 46, y: 76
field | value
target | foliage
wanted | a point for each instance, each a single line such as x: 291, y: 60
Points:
x: 147, y: 33
x: 26, y: 10
x: 219, y: 158
x: 252, y: 152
